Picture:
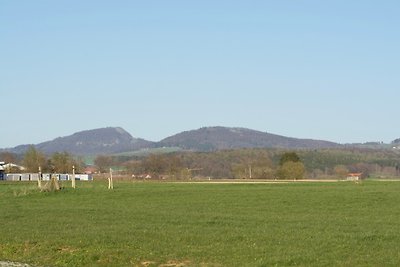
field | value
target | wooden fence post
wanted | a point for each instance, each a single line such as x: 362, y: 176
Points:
x: 73, y: 176
x: 39, y: 178
x: 110, y: 181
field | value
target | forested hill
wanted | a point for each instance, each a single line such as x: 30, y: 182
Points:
x: 98, y: 141
x: 217, y: 138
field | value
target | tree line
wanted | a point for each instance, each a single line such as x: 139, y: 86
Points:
x: 265, y: 163
x: 232, y: 164
x: 239, y: 164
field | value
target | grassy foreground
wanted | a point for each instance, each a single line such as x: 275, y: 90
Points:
x: 166, y: 224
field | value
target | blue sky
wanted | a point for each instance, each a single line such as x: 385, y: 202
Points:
x: 309, y: 69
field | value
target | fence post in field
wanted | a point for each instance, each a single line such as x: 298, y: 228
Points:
x: 73, y: 176
x: 39, y: 178
x: 250, y: 174
x: 110, y: 181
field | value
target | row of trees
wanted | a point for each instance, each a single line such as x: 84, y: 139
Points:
x: 266, y: 163
x: 239, y: 163
x: 243, y: 164
x: 59, y: 162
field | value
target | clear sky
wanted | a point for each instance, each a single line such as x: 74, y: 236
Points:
x: 308, y: 69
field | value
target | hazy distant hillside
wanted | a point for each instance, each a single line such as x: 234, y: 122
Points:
x: 215, y: 138
x: 98, y: 141
x: 117, y: 140
x: 396, y: 142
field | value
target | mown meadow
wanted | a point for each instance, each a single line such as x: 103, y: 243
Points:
x: 199, y: 224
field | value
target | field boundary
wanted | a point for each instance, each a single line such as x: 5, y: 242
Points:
x: 248, y: 181
x: 13, y: 264
x: 237, y: 181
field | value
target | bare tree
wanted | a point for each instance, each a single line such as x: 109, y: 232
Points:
x: 62, y: 162
x: 103, y: 162
x: 8, y: 157
x: 341, y: 171
x: 33, y: 159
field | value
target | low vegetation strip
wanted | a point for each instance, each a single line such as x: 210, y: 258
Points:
x: 176, y: 224
x: 13, y: 264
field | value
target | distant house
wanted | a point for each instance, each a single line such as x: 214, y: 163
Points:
x: 2, y: 171
x: 12, y: 166
x: 354, y: 176
x: 142, y: 176
x: 90, y: 170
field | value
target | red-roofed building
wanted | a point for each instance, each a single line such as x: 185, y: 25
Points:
x: 90, y: 170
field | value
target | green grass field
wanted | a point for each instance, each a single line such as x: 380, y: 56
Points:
x: 177, y: 224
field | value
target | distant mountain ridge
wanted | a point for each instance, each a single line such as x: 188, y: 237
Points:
x: 113, y: 140
x: 218, y: 138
